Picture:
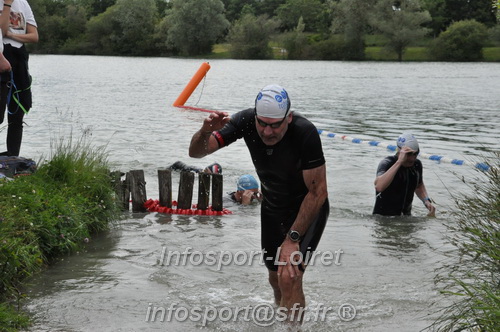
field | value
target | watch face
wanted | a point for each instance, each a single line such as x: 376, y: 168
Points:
x: 294, y: 235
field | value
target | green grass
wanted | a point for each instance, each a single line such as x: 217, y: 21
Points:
x: 376, y: 53
x: 373, y: 53
x: 11, y: 319
x: 471, y: 278
x: 491, y: 53
x: 220, y: 51
x: 52, y: 212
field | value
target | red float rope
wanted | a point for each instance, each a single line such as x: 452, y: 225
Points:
x: 195, y: 108
x: 153, y: 205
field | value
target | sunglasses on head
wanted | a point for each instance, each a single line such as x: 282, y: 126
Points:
x: 272, y: 125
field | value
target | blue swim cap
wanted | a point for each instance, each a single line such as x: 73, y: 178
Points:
x: 247, y: 182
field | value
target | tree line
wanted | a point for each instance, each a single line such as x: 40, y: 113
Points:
x: 306, y: 29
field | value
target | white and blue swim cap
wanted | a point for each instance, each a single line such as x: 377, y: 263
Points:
x: 247, y: 182
x: 407, y: 139
x: 272, y: 102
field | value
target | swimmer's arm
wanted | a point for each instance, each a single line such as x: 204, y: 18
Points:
x: 315, y: 180
x: 383, y: 181
x: 421, y: 193
x: 203, y: 142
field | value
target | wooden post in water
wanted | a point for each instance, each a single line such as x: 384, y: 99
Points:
x: 121, y: 189
x: 217, y: 192
x: 126, y: 192
x: 203, y: 190
x: 138, y: 190
x: 165, y: 187
x: 185, y: 190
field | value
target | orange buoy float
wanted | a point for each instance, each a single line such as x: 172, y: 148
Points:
x: 193, y: 83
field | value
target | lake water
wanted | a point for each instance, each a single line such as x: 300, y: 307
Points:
x: 385, y: 267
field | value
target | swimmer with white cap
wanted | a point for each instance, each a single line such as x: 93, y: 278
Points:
x: 287, y: 154
x: 398, y: 178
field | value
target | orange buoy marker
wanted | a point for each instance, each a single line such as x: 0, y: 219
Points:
x: 193, y: 83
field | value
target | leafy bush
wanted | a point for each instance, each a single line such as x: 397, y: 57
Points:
x: 463, y: 41
x: 333, y: 48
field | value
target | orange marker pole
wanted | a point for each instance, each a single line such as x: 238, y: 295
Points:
x: 193, y: 83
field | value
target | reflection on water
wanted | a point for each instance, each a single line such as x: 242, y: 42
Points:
x: 398, y: 236
x: 387, y: 265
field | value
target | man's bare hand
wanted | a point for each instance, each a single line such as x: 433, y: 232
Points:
x: 215, y: 121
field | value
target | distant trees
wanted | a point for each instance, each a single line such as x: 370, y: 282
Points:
x: 437, y: 10
x: 195, y: 25
x: 124, y: 28
x: 400, y: 22
x: 308, y: 29
x: 311, y: 12
x: 351, y: 19
x: 478, y: 10
x: 296, y: 43
x: 250, y: 36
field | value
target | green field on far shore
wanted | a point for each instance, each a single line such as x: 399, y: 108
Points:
x: 372, y: 53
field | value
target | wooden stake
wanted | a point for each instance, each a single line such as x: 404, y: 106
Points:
x: 203, y: 191
x: 165, y: 187
x: 185, y: 196
x: 138, y: 190
x: 217, y: 192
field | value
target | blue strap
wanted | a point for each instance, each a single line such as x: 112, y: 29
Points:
x: 11, y: 85
x: 14, y: 93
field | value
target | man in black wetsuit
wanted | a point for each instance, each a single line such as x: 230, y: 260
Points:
x: 398, y: 177
x: 287, y: 154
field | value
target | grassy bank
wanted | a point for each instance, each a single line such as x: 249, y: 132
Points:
x: 372, y: 53
x: 490, y: 54
x: 47, y: 214
x: 471, y: 278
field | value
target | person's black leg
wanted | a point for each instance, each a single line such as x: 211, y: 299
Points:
x: 15, y: 128
x: 14, y: 138
x: 3, y: 105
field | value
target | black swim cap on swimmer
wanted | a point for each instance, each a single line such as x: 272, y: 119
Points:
x: 214, y: 168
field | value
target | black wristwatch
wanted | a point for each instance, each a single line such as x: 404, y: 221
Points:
x: 294, y: 236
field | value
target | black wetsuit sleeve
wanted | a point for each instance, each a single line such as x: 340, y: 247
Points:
x: 312, y: 150
x: 384, y: 165
x: 240, y: 124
